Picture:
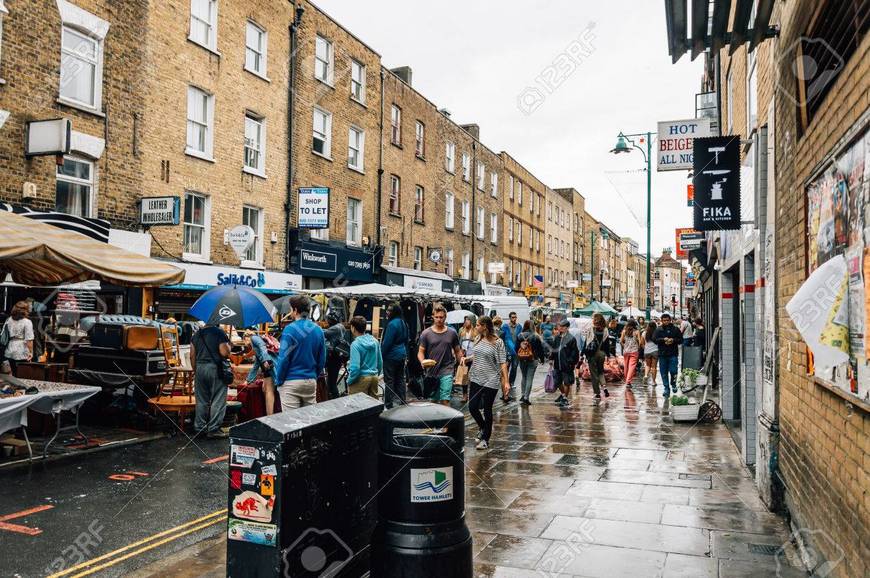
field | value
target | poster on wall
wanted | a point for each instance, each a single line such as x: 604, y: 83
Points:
x: 313, y: 208
x: 838, y: 228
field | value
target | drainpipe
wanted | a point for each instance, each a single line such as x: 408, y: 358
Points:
x: 291, y: 102
x: 380, y: 165
x: 473, y: 262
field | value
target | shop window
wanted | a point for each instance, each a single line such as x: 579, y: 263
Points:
x: 196, y: 227
x: 255, y: 49
x: 253, y: 217
x: 74, y: 189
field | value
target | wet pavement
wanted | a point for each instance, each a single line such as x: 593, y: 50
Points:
x: 608, y: 488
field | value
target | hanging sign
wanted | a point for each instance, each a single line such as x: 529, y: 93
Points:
x: 690, y: 195
x: 675, y: 140
x: 313, y: 208
x: 160, y: 211
x: 717, y: 183
x: 240, y: 238
x: 687, y: 239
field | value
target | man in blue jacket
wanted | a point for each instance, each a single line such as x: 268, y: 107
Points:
x: 395, y: 351
x: 509, y: 333
x: 301, y: 359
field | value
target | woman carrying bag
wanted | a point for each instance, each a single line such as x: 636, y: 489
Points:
x: 488, y: 372
x: 467, y: 337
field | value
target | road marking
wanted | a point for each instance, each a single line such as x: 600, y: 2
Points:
x: 128, y: 476
x: 216, y: 460
x: 23, y: 529
x: 214, y: 517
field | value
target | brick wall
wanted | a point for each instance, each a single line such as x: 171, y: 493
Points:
x: 530, y: 260
x: 555, y: 229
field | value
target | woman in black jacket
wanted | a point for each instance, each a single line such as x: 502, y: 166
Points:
x: 599, y: 346
x: 530, y: 352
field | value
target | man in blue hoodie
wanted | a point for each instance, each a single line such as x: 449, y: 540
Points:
x: 365, y: 360
x: 395, y: 351
x: 301, y: 358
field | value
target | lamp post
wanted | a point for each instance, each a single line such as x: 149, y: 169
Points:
x: 622, y: 146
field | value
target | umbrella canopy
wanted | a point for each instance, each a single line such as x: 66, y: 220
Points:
x: 39, y: 254
x: 459, y: 315
x: 632, y: 312
x: 233, y: 305
x: 597, y: 307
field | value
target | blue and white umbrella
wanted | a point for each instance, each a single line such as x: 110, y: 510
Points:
x: 234, y: 305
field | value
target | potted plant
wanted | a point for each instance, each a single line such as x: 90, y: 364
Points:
x: 684, y: 409
x: 691, y: 378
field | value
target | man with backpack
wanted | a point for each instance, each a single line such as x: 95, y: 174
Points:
x: 530, y: 352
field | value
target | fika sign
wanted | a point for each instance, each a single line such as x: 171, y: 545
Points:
x: 717, y: 183
x: 675, y: 142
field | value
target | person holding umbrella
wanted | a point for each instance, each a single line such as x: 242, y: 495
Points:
x: 301, y: 359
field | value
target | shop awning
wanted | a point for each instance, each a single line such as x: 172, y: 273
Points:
x: 38, y: 254
x: 709, y: 25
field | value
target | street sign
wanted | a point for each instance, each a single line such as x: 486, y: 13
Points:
x: 47, y: 137
x: 687, y: 239
x: 495, y: 268
x: 690, y: 195
x: 435, y: 255
x: 717, y: 183
x: 530, y: 291
x: 160, y: 211
x: 572, y: 283
x: 675, y: 142
x: 240, y: 238
x: 313, y: 208
x: 587, y: 277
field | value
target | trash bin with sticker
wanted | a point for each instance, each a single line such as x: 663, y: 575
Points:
x: 421, y: 527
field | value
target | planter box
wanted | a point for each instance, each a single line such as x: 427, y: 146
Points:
x: 685, y: 412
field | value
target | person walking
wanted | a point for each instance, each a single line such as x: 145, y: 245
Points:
x: 565, y: 356
x: 599, y: 346
x: 467, y: 337
x: 488, y: 372
x: 441, y: 344
x: 530, y: 352
x: 632, y: 342
x: 700, y: 338
x: 668, y: 337
x: 337, y: 351
x: 301, y: 359
x: 509, y: 334
x: 687, y: 329
x: 19, y: 336
x: 209, y: 348
x: 394, y: 348
x: 650, y: 354
x: 264, y: 366
x: 546, y: 328
x: 366, y: 363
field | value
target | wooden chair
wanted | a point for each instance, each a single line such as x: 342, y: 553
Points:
x: 175, y: 394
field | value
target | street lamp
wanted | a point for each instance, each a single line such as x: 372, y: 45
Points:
x: 622, y: 146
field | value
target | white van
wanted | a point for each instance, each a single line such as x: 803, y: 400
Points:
x: 503, y: 305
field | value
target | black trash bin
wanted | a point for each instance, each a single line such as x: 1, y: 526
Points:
x: 421, y: 527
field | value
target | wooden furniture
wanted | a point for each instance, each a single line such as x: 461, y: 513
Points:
x: 175, y: 395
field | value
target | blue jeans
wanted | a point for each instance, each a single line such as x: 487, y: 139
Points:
x: 668, y: 365
x: 527, y: 370
x: 513, y: 362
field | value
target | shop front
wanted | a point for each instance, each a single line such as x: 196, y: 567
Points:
x: 414, y: 279
x: 325, y: 264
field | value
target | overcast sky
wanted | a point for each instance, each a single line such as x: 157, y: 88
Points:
x: 480, y: 59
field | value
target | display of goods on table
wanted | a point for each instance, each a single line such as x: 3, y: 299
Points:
x: 614, y: 370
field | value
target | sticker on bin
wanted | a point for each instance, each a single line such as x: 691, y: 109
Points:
x: 253, y: 532
x: 431, y: 485
x: 243, y: 456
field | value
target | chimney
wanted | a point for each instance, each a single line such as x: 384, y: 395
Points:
x: 403, y: 72
x: 473, y: 130
x: 445, y: 112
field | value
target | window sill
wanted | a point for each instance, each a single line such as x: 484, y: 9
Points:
x: 451, y: 229
x: 356, y: 170
x: 80, y: 106
x: 254, y: 172
x: 840, y: 392
x: 259, y: 75
x: 420, y: 157
x: 359, y: 102
x: 2, y: 82
x: 325, y: 82
x: 321, y: 155
x: 194, y: 258
x: 450, y: 172
x: 396, y: 144
x: 418, y: 222
x: 198, y: 155
x: 208, y: 48
x: 252, y: 265
x: 394, y: 214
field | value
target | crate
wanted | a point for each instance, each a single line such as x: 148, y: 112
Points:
x: 685, y: 412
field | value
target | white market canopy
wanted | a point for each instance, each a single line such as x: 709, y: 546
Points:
x: 386, y: 292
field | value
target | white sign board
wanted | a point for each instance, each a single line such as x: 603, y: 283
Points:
x: 495, y: 268
x: 422, y: 283
x: 587, y: 277
x: 201, y: 277
x: 676, y: 140
x: 48, y: 137
x: 160, y: 211
x: 313, y: 208
x: 431, y: 484
x: 240, y: 238
x: 572, y: 283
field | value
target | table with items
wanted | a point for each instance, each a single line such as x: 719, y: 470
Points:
x: 47, y: 397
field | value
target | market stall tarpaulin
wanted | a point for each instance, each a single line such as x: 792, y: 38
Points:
x: 38, y: 254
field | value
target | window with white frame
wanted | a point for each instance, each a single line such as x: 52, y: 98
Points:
x: 354, y: 222
x: 357, y: 81
x: 420, y: 139
x: 393, y: 254
x: 323, y: 60
x: 519, y: 233
x: 530, y: 237
x: 533, y: 197
x: 481, y: 216
x: 549, y: 245
x: 81, y: 68
x: 510, y: 229
x: 196, y: 226
x: 538, y: 236
x: 322, y: 132
x: 396, y: 125
x: 493, y: 228
x: 730, y: 101
x: 356, y: 142
x: 253, y: 217
x: 449, y: 201
x: 419, y: 204
x: 466, y: 266
x: 418, y: 258
x: 200, y: 122
x: 751, y: 91
x: 520, y: 192
x: 466, y: 218
x: 493, y: 184
x: 255, y: 144
x: 479, y: 265
x: 450, y: 262
x: 450, y: 157
x: 203, y: 23
x: 466, y: 167
x: 74, y: 189
x: 511, y: 187
x: 540, y: 202
x: 549, y: 211
x: 320, y: 234
x: 255, y: 49
x: 395, y: 195
x: 481, y: 176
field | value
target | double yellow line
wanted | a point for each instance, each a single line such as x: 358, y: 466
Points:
x: 141, y: 546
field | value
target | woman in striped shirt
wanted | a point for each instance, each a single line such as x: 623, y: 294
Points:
x: 488, y: 372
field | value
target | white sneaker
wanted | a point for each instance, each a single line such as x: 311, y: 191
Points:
x: 478, y: 436
x: 482, y: 445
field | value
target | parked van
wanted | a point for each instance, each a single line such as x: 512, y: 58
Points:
x: 503, y: 305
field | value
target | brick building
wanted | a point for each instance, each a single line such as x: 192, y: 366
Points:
x: 577, y: 286
x: 524, y: 225
x: 668, y: 279
x: 559, y: 229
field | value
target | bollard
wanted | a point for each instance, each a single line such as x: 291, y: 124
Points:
x: 421, y: 527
